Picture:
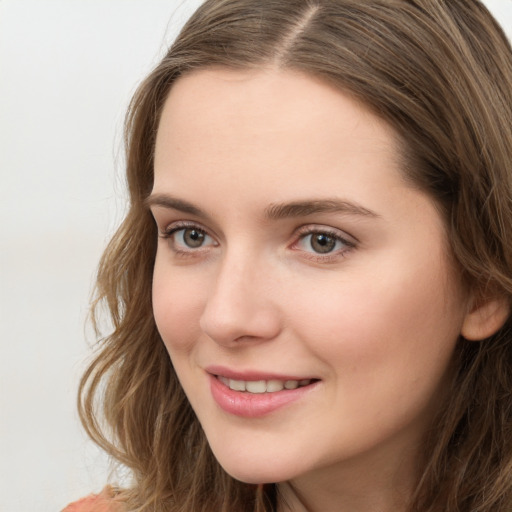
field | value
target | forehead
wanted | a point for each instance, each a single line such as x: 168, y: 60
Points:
x: 270, y: 136
x: 265, y: 100
x: 235, y: 113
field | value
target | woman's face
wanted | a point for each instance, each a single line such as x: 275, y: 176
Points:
x: 302, y: 288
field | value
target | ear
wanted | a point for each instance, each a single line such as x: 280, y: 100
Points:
x: 485, y: 318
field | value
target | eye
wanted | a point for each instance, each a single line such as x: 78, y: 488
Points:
x: 321, y: 242
x: 191, y: 237
x: 324, y: 242
x: 187, y: 238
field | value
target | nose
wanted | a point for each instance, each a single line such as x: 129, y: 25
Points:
x: 241, y: 304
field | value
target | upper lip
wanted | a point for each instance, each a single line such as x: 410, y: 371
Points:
x: 251, y: 375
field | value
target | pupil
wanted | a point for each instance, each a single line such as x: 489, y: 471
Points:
x: 193, y: 237
x: 323, y: 243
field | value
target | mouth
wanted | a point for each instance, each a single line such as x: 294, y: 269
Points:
x: 257, y: 396
x: 263, y: 386
x: 256, y: 393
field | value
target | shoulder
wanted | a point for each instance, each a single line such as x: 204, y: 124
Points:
x: 103, y: 502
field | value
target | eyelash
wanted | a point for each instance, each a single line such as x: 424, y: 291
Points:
x: 306, y: 231
x: 168, y: 233
x: 302, y: 234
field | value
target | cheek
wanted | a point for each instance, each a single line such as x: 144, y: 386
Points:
x: 372, y: 326
x: 177, y: 306
x: 386, y: 348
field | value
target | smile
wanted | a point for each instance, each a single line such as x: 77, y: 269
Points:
x: 263, y: 386
x: 257, y: 396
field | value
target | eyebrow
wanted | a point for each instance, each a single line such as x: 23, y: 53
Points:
x: 313, y: 206
x: 167, y: 201
x: 275, y: 211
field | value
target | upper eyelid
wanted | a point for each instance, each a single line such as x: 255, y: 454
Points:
x: 184, y: 224
x: 319, y: 228
x: 162, y: 215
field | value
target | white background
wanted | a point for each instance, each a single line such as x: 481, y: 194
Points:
x: 67, y: 71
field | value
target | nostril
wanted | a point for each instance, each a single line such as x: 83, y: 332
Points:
x: 244, y: 338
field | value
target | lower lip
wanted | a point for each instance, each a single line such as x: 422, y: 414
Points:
x: 254, y: 405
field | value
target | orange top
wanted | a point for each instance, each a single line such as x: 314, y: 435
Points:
x: 102, y: 502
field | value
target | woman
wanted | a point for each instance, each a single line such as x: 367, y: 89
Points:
x: 320, y: 238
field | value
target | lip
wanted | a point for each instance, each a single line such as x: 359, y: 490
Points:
x: 254, y: 405
x: 252, y: 374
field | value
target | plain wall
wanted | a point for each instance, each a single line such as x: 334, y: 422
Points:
x: 67, y: 71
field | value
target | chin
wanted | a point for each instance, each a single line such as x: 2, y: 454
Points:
x: 250, y: 476
x: 250, y: 471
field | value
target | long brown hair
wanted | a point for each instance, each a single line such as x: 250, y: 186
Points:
x: 440, y: 73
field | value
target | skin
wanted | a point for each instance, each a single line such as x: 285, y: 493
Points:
x: 375, y: 319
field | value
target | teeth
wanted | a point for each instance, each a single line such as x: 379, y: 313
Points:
x: 224, y: 380
x: 257, y: 386
x: 263, y: 386
x: 237, y: 385
x: 274, y: 385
